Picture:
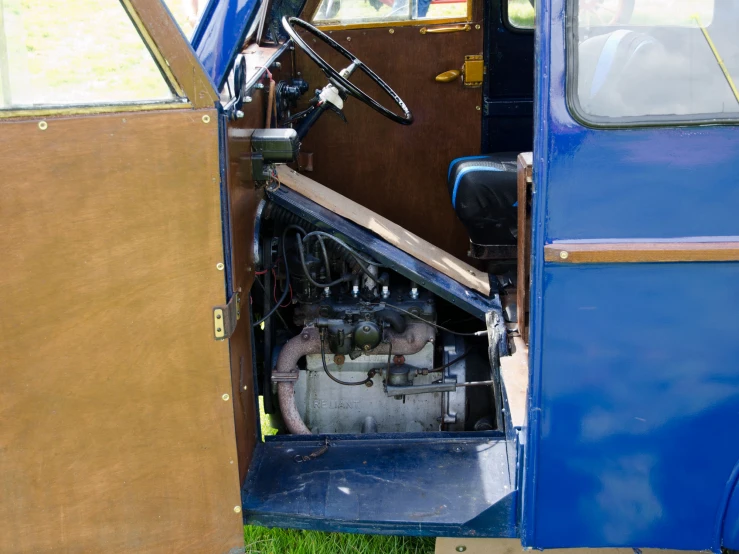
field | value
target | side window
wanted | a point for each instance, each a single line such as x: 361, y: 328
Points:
x: 651, y: 61
x: 521, y: 13
x: 79, y: 52
x: 353, y: 12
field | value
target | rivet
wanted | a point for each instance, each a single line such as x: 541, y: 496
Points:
x: 246, y: 388
x: 220, y: 266
x: 237, y: 509
x: 219, y: 329
x: 461, y: 548
x: 477, y: 27
x: 391, y: 31
x: 43, y: 125
x: 564, y: 254
x: 477, y: 108
x: 218, y: 316
x: 206, y: 119
x: 225, y: 397
x: 348, y: 39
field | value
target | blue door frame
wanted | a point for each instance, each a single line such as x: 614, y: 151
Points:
x: 632, y: 435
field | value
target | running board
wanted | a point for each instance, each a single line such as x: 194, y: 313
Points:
x: 432, y: 484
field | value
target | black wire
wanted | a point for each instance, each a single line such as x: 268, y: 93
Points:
x: 361, y: 260
x: 326, y: 261
x: 475, y: 334
x: 278, y: 314
x: 287, y: 275
x: 334, y: 379
x: 342, y: 279
x: 454, y: 361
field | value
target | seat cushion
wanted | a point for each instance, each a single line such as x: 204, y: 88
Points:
x: 483, y: 193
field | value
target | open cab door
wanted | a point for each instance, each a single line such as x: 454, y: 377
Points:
x: 117, y: 430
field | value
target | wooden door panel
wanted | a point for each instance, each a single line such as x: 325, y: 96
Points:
x: 114, y: 432
x: 400, y: 171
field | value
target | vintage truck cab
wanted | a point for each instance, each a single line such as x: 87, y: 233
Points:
x: 475, y: 263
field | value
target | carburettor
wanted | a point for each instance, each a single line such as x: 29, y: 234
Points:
x: 354, y: 326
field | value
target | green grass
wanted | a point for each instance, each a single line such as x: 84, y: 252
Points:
x: 260, y: 540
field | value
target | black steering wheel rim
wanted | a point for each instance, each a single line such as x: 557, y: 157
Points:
x: 339, y: 80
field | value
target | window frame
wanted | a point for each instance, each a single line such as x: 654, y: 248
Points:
x: 329, y: 26
x: 510, y: 26
x: 181, y: 99
x: 574, y: 107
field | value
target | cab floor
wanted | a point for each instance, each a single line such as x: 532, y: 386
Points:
x: 418, y: 484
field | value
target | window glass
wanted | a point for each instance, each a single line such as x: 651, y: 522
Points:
x: 521, y: 13
x: 186, y: 13
x: 347, y: 12
x: 656, y: 60
x: 55, y: 53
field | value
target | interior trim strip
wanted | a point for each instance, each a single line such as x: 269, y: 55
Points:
x: 643, y: 252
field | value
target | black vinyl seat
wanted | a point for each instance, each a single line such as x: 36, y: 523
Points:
x: 483, y: 194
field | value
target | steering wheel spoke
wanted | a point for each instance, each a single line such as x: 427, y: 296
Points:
x: 340, y: 79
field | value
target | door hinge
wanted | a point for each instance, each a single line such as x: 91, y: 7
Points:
x: 226, y: 316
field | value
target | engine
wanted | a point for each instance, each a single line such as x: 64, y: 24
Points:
x: 358, y: 349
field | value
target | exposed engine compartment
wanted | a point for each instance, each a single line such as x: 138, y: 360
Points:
x: 355, y: 347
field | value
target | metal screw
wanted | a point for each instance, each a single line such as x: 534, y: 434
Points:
x: 564, y: 254
x: 239, y: 114
x: 246, y: 388
x: 206, y: 119
x: 391, y: 31
x: 225, y: 397
x: 477, y: 108
x: 237, y: 509
x: 278, y: 65
x: 348, y: 39
x: 461, y: 548
x: 477, y: 27
x: 220, y: 266
x: 219, y: 329
x: 218, y: 316
x: 43, y: 125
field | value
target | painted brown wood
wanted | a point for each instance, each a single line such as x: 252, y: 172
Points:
x: 114, y: 434
x: 523, y: 266
x: 243, y: 198
x: 641, y: 252
x: 394, y: 234
x: 176, y: 50
x: 400, y: 172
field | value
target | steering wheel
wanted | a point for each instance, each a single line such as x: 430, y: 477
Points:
x: 340, y: 78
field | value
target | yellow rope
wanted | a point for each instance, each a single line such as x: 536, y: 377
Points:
x: 717, y: 56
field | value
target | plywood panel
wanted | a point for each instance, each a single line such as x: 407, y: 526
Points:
x: 399, y: 171
x: 114, y: 434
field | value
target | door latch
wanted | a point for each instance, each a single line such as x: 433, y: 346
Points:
x: 226, y: 316
x: 472, y: 72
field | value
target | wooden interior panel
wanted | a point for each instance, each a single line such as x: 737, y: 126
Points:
x: 398, y: 171
x: 523, y: 263
x: 243, y: 198
x: 114, y: 432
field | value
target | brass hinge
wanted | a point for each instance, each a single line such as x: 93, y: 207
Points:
x: 225, y: 317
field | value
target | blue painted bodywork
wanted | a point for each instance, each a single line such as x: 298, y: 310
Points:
x: 634, y: 391
x: 220, y: 34
x: 432, y: 484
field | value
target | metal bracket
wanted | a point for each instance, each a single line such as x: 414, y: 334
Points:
x: 225, y: 317
x: 284, y: 376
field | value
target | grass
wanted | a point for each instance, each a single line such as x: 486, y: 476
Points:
x: 260, y: 540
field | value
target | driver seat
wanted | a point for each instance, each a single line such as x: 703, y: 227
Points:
x: 483, y: 194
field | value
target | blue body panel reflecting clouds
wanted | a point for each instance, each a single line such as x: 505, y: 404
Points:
x: 220, y: 35
x: 632, y: 437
